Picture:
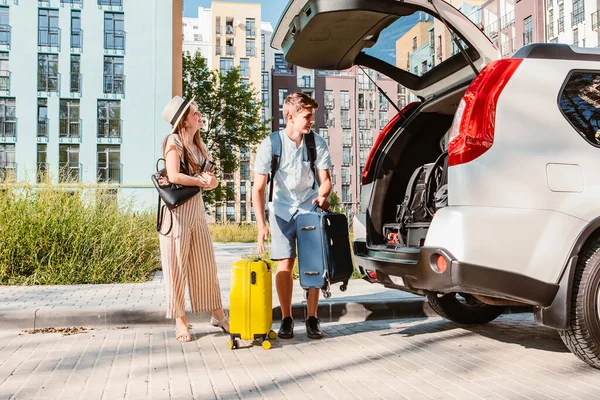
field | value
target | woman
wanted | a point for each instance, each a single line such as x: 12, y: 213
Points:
x: 187, y: 253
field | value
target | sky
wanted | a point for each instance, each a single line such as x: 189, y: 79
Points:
x: 271, y: 10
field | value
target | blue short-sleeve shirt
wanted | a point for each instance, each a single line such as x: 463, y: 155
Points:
x: 293, y: 184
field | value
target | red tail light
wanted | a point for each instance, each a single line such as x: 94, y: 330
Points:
x: 472, y: 132
x: 407, y: 110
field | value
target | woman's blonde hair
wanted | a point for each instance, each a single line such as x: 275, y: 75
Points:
x: 197, y: 140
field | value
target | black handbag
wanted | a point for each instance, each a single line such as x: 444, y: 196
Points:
x: 171, y: 194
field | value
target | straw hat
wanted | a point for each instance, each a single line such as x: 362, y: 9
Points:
x: 175, y: 110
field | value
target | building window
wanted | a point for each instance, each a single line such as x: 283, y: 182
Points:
x: 250, y: 27
x: 245, y: 67
x: 345, y: 118
x: 414, y: 43
x: 8, y: 166
x: 70, y: 124
x: 114, y: 31
x: 362, y: 119
x: 252, y: 216
x: 345, y: 175
x: 109, y: 119
x: 265, y: 98
x: 561, y: 17
x: 76, y: 33
x: 346, y: 198
x: 578, y: 103
x: 347, y: 156
x: 69, y: 168
x: 329, y: 118
x: 230, y: 212
x: 114, y: 3
x: 47, y: 72
x: 527, y: 31
x: 245, y: 170
x: 42, y: 115
x: 230, y: 191
x: 75, y: 73
x: 250, y: 48
x: 4, y: 72
x: 578, y: 15
x: 218, y: 213
x: 329, y: 101
x: 114, y: 79
x: 243, y: 215
x: 372, y: 119
x: 365, y: 139
x: 229, y: 47
x: 8, y: 119
x: 109, y: 163
x: 265, y: 80
x: 383, y: 119
x: 225, y: 64
x: 48, y: 31
x: 243, y: 193
x: 283, y: 93
x: 4, y: 26
x: 344, y: 100
x: 42, y: 164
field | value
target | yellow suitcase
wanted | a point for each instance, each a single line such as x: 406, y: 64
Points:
x: 250, y: 305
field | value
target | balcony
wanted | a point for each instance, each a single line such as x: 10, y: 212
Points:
x: 114, y: 40
x: 109, y: 128
x: 5, y: 35
x: 110, y: 173
x: 230, y: 50
x: 329, y: 104
x: 347, y: 141
x: 229, y: 30
x: 69, y: 172
x: 250, y: 31
x: 345, y: 104
x: 48, y: 37
x: 306, y: 82
x: 527, y: 38
x: 595, y: 20
x: 365, y: 86
x: 366, y: 142
x: 70, y: 129
x: 4, y: 81
x: 75, y: 83
x: 112, y: 3
x: 250, y: 51
x: 383, y: 105
x: 346, y: 123
x: 507, y: 20
x: 114, y: 84
x: 362, y: 123
x: 561, y: 25
x: 577, y: 17
x: 71, y: 2
x: 329, y: 121
x: 218, y: 50
x: 550, y: 31
x: 8, y: 129
x: 76, y: 38
x: 42, y: 128
x: 346, y: 161
x: 492, y: 29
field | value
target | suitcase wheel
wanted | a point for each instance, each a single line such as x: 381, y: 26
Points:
x: 272, y: 335
x: 266, y: 344
x: 233, y: 343
x: 326, y: 295
x: 344, y: 287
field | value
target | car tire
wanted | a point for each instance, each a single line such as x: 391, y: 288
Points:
x: 466, y: 311
x: 583, y: 335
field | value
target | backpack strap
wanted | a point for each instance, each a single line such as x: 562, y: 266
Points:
x: 275, y: 159
x: 311, y: 152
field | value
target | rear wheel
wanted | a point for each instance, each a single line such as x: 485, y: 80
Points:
x: 463, y: 308
x: 583, y: 335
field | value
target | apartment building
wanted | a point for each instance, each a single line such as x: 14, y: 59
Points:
x: 82, y: 89
x: 198, y: 34
x: 572, y: 22
x: 237, y: 42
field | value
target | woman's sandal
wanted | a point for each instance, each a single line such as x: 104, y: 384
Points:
x: 183, y: 332
x: 218, y: 323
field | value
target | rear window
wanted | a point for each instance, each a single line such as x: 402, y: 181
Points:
x: 580, y: 104
x: 416, y: 43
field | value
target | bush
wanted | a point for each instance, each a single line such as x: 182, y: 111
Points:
x: 54, y: 236
x: 231, y: 232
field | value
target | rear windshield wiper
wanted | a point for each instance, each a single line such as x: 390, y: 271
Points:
x: 455, y: 39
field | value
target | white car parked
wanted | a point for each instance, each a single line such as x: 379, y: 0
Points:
x: 485, y: 192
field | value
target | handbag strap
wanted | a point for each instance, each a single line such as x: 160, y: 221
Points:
x: 160, y: 217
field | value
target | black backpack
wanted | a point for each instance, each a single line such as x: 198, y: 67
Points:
x: 422, y: 197
x: 311, y: 148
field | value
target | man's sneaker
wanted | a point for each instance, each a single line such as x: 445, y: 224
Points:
x: 313, y: 329
x: 286, y: 331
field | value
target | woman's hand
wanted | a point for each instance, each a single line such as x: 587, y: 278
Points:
x: 208, y: 180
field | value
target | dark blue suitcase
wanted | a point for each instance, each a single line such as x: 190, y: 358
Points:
x: 324, y: 255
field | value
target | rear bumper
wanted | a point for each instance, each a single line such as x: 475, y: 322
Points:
x: 417, y: 272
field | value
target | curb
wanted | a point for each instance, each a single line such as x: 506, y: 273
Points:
x: 328, y: 311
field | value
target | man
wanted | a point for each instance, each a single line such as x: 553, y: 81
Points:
x: 294, y: 192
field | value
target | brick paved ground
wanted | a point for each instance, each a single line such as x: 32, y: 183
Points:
x: 431, y: 358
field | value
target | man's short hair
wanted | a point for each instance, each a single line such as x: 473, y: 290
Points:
x: 296, y: 102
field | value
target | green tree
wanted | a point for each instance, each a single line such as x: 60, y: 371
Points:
x: 232, y: 112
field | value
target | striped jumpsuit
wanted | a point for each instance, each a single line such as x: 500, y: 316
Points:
x: 187, y: 253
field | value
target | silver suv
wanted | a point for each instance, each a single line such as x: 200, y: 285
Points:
x: 484, y: 192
